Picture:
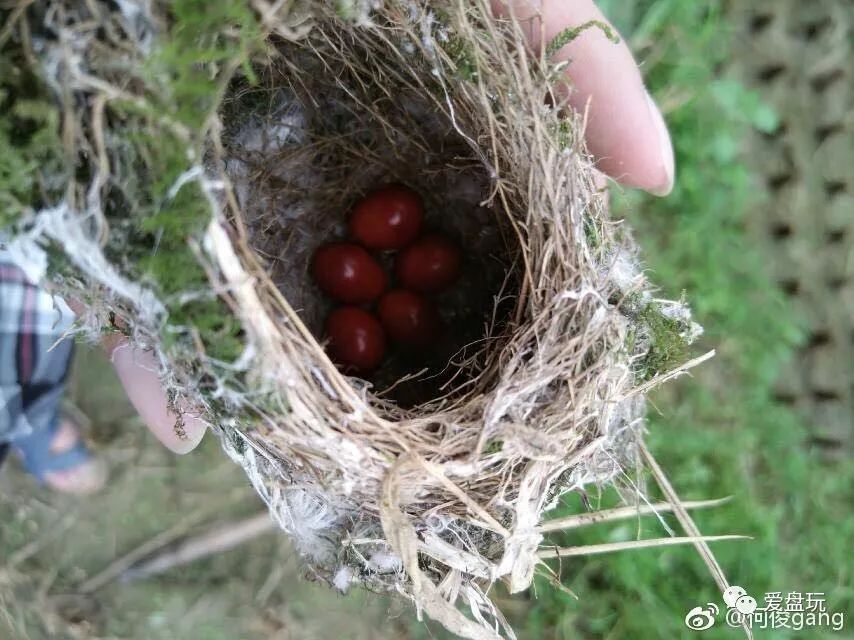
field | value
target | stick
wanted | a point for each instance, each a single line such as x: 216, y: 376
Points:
x: 689, y: 526
x: 669, y: 375
x: 115, y: 568
x: 620, y: 513
x: 610, y: 547
x: 217, y: 539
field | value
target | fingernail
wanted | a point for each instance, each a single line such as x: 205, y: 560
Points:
x: 665, y: 148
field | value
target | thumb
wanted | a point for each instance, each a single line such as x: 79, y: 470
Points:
x: 625, y: 130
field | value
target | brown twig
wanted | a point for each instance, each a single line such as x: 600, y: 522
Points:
x: 688, y: 524
x: 120, y: 565
x: 217, y: 539
x: 611, y: 547
x: 621, y: 513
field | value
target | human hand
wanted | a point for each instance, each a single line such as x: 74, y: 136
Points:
x: 625, y: 130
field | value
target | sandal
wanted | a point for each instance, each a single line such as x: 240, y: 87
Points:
x: 69, y: 469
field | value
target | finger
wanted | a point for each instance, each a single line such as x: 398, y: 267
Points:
x: 625, y: 130
x: 137, y: 370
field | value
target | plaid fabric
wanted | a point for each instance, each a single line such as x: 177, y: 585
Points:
x: 33, y: 361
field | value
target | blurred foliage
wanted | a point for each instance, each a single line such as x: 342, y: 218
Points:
x: 190, y: 70
x: 187, y: 75
x: 153, y: 138
x: 31, y: 166
x: 192, y: 66
x: 720, y: 433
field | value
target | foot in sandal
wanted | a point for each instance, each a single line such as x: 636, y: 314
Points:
x: 59, y: 459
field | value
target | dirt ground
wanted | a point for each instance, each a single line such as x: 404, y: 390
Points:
x: 51, y: 546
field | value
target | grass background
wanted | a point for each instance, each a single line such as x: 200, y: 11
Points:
x: 720, y: 433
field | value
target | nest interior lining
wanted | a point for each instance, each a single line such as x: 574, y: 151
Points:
x: 304, y: 149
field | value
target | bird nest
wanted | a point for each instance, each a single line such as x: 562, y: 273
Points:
x: 208, y: 166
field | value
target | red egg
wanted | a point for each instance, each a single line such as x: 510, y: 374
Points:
x: 356, y: 339
x: 387, y: 218
x: 408, y: 318
x: 430, y: 264
x: 348, y: 273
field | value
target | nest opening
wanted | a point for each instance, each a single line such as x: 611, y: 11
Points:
x: 304, y: 144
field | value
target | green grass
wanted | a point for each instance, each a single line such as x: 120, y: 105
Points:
x: 50, y: 544
x: 720, y: 433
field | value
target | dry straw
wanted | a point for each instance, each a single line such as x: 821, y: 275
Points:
x: 439, y: 491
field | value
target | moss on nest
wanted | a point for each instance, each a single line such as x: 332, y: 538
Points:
x: 30, y: 147
x: 663, y: 339
x: 668, y: 344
